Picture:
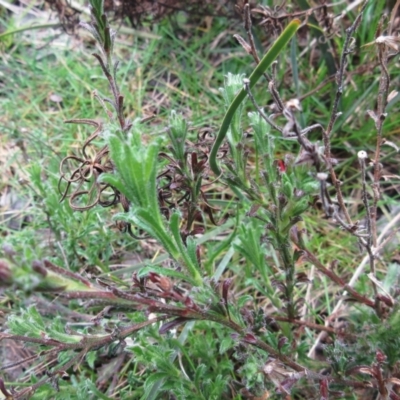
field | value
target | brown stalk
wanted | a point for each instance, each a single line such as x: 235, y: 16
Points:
x: 384, y: 81
x: 334, y: 114
x: 339, y: 281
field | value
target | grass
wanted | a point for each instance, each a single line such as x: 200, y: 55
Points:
x: 245, y: 333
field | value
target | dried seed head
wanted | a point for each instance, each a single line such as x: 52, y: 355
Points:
x: 294, y: 105
x: 362, y: 155
x: 322, y: 176
x: 389, y: 41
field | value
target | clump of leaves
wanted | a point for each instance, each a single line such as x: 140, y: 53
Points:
x: 260, y: 332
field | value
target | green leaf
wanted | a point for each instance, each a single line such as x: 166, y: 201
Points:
x: 136, y: 167
x: 226, y: 344
x: 287, y: 187
x: 29, y: 323
x: 91, y: 357
x: 299, y: 208
x: 57, y: 331
x: 35, y: 317
x: 310, y: 187
x: 25, y: 28
x: 177, y: 133
x: 251, y: 245
x: 191, y: 246
x: 144, y: 219
x: 164, y: 272
x: 242, y: 300
x: 98, y: 6
x: 191, y: 266
x: 96, y: 392
x: 265, y: 142
x: 153, y: 379
x: 147, y: 220
x: 199, y: 375
x: 233, y: 85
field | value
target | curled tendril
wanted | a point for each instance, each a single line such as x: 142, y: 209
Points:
x: 177, y: 183
x: 84, y: 178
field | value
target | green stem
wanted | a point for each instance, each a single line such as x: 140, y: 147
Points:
x: 267, y: 60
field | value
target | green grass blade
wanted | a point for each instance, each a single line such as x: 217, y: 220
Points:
x: 28, y: 28
x: 267, y: 60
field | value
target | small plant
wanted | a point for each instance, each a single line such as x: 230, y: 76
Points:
x: 249, y: 296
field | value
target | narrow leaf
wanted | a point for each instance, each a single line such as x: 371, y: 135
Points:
x: 267, y: 60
